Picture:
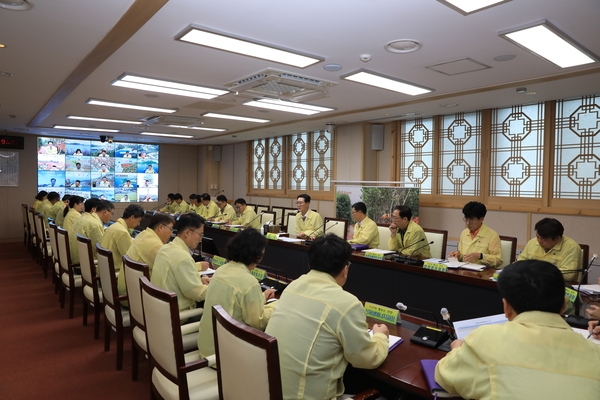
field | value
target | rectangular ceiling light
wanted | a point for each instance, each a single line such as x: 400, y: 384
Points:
x: 96, y: 102
x: 466, y: 7
x: 384, y: 82
x: 287, y: 106
x: 236, y: 117
x: 117, y: 121
x: 222, y: 41
x: 198, y: 128
x: 166, y: 135
x: 546, y: 41
x: 80, y: 128
x: 168, y: 87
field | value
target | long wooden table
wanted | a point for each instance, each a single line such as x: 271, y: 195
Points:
x: 466, y: 294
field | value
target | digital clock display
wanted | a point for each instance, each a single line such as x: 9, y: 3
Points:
x: 12, y: 142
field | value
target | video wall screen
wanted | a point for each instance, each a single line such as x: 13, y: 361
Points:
x: 120, y: 172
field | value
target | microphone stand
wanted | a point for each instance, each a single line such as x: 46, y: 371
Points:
x: 576, y: 319
x: 426, y: 335
x: 309, y: 242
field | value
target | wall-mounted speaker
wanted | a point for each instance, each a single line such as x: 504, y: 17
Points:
x: 376, y: 137
x: 216, y: 153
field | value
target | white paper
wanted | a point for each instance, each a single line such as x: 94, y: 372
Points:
x: 585, y: 334
x: 378, y: 251
x: 463, y: 328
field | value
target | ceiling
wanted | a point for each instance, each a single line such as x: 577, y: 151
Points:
x: 63, y: 52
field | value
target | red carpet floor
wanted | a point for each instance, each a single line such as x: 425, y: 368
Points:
x: 46, y: 355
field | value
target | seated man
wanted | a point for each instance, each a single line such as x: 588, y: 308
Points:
x: 550, y: 245
x: 179, y: 205
x: 194, y: 204
x: 174, y: 267
x: 478, y: 244
x: 56, y: 212
x: 117, y: 238
x: 169, y: 207
x: 320, y: 328
x: 46, y: 208
x: 247, y: 217
x: 227, y: 212
x: 309, y: 224
x: 210, y: 210
x: 147, y: 244
x: 407, y: 237
x: 536, y: 355
x: 365, y: 229
x: 97, y: 212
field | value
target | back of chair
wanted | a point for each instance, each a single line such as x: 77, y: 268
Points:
x: 291, y: 223
x: 133, y: 271
x: 24, y: 215
x: 267, y: 217
x: 106, y: 270
x: 584, y: 260
x: 31, y: 222
x: 260, y: 208
x: 239, y: 349
x: 440, y: 241
x: 337, y: 226
x: 252, y: 206
x: 279, y: 220
x: 163, y: 330
x: 40, y: 228
x: 53, y: 242
x: 64, y: 251
x: 384, y: 236
x: 86, y: 260
x: 509, y: 250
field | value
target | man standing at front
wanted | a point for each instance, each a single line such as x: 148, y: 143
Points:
x: 536, y: 355
x: 365, y: 229
x: 320, y: 328
x: 307, y: 221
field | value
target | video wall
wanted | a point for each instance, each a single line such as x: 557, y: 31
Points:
x: 120, y: 172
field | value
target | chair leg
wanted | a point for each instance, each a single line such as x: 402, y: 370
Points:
x: 97, y: 310
x: 134, y: 360
x: 71, y: 302
x: 107, y: 329
x: 85, y: 310
x: 119, y: 348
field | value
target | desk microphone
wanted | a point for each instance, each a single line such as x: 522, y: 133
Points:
x: 426, y: 335
x: 309, y: 242
x: 255, y: 218
x: 446, y: 317
x: 406, y: 259
x: 219, y: 192
x: 415, y: 261
x: 577, y: 319
x: 402, y: 307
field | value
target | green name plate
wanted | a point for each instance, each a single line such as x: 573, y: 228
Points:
x: 382, y: 313
x: 435, y: 266
x: 218, y: 261
x: 234, y: 229
x: 272, y: 236
x: 374, y: 256
x: 259, y: 274
x: 570, y: 294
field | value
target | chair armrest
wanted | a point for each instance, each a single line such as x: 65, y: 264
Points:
x: 212, y: 360
x: 195, y: 365
x: 193, y: 327
x: 190, y: 313
x: 369, y: 394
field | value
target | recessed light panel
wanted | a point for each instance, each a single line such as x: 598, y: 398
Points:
x: 96, y: 102
x: 168, y: 87
x: 384, y: 82
x: 166, y: 135
x: 117, y: 121
x: 81, y: 128
x: 236, y: 117
x: 288, y: 106
x: 466, y: 7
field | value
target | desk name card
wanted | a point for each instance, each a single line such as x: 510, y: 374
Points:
x: 374, y: 256
x: 234, y: 229
x: 435, y: 266
x: 218, y: 261
x: 385, y: 314
x: 259, y: 274
x: 272, y: 236
x: 571, y: 294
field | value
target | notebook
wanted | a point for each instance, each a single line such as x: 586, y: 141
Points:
x: 428, y: 367
x: 394, y: 341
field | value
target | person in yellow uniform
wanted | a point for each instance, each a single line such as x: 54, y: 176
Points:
x: 535, y: 355
x: 175, y: 269
x: 309, y: 224
x: 193, y: 205
x: 210, y: 210
x: 227, y: 212
x: 179, y: 205
x: 46, y: 205
x: 168, y: 208
x: 478, y: 243
x: 147, y: 244
x: 73, y: 212
x: 97, y: 212
x: 59, y: 208
x: 117, y: 238
x: 407, y: 237
x: 247, y: 217
x: 38, y: 199
x: 365, y: 229
x: 320, y: 327
x: 550, y: 245
x: 236, y: 289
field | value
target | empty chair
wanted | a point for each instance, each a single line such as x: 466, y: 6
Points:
x: 172, y: 376
x: 70, y: 280
x: 92, y: 292
x: 239, y: 349
x: 260, y: 208
x: 509, y: 250
x: 337, y: 226
x: 440, y: 241
x: 278, y: 215
x: 266, y: 217
x: 115, y: 317
x: 291, y: 223
x: 133, y: 271
x: 384, y: 236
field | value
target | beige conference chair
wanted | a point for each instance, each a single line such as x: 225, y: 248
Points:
x: 92, y: 292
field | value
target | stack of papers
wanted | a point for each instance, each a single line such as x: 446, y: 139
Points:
x: 585, y: 333
x: 379, y: 251
x: 588, y: 289
x: 453, y: 262
x: 394, y: 341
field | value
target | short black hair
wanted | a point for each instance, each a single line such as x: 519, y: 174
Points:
x: 90, y: 204
x: 474, y: 209
x: 360, y: 206
x: 66, y: 197
x: 240, y: 201
x: 532, y: 285
x: 77, y: 163
x: 247, y: 247
x: 171, y: 196
x: 104, y: 205
x: 41, y: 194
x: 205, y: 196
x: 133, y: 210
x: 53, y: 196
x: 188, y: 221
x: 329, y: 254
x: 53, y: 179
x: 405, y: 211
x: 159, y: 219
x: 304, y: 197
x: 178, y: 196
x: 222, y: 197
x: 193, y: 196
x: 72, y: 201
x: 549, y: 228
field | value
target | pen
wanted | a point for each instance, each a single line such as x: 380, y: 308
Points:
x: 592, y: 331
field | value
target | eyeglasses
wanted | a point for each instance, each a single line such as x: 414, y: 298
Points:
x: 470, y: 220
x: 349, y: 264
x: 300, y: 203
x: 198, y: 233
x: 168, y: 227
